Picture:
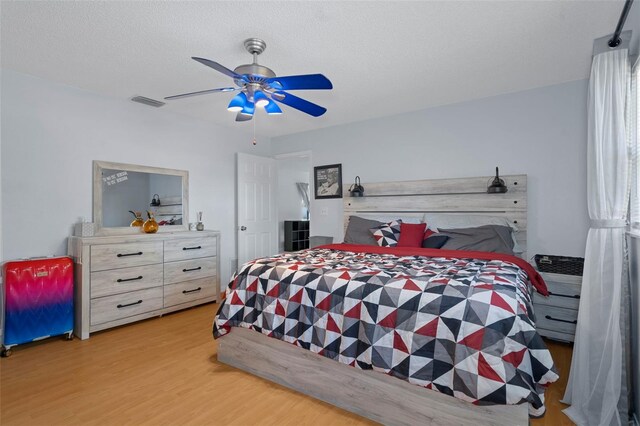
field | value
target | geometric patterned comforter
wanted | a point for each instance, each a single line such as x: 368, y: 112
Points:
x: 458, y: 325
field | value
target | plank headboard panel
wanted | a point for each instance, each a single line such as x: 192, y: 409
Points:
x: 464, y: 196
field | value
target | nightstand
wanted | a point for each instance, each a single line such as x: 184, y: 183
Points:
x: 557, y: 314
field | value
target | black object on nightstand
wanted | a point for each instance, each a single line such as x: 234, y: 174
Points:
x: 296, y: 235
x: 564, y: 265
x: 557, y: 314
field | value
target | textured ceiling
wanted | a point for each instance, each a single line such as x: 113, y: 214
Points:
x: 383, y: 57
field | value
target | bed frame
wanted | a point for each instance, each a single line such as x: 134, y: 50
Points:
x: 461, y: 196
x: 374, y: 395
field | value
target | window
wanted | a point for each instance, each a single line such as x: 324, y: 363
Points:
x: 635, y: 149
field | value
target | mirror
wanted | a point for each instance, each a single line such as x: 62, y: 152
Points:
x: 120, y: 190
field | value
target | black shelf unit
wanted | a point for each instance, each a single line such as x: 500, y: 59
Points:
x: 296, y: 235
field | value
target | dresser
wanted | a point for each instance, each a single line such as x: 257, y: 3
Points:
x: 127, y: 278
x: 557, y: 314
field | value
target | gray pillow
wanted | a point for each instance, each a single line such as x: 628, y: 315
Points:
x: 358, y: 231
x: 491, y: 238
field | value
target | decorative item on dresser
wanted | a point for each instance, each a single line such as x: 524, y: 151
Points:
x: 84, y: 229
x: 296, y: 235
x: 557, y: 314
x: 126, y: 278
x: 150, y: 226
x: 199, y: 225
x: 136, y: 222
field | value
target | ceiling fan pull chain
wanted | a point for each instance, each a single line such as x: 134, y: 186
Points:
x: 255, y: 118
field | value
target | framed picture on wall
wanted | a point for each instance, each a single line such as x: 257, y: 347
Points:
x: 328, y: 181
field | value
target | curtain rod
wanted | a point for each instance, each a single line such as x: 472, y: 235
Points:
x: 615, y: 40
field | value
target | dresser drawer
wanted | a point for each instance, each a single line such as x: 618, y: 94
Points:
x: 563, y: 295
x: 112, y: 256
x: 556, y: 335
x: 187, y: 291
x: 557, y: 319
x: 190, y: 248
x: 111, y: 308
x: 175, y: 272
x: 116, y: 281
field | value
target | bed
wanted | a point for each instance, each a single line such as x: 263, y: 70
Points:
x: 453, y: 331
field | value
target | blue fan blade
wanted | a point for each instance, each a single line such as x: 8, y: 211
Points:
x: 216, y: 66
x: 300, y: 104
x: 300, y: 82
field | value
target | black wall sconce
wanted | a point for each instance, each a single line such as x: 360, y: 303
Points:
x: 497, y: 185
x: 356, y: 189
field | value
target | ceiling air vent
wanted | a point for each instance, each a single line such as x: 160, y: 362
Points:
x: 147, y: 101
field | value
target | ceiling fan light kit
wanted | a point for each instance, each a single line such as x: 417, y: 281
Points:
x: 273, y: 109
x: 248, y: 109
x: 238, y: 102
x: 260, y: 87
x: 260, y: 99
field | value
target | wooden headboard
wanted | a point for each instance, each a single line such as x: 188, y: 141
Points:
x: 464, y: 196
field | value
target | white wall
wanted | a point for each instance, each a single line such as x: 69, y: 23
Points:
x: 52, y: 133
x: 540, y: 132
x: 290, y: 206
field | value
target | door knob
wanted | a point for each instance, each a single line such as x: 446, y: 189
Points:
x: 243, y: 228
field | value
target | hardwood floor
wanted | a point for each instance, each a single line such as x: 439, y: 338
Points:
x: 164, y: 371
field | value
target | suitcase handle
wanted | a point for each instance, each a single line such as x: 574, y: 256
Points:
x: 574, y: 296
x: 192, y: 248
x: 192, y: 269
x: 549, y: 317
x: 129, y: 254
x: 121, y: 280
x: 130, y: 304
x: 191, y: 291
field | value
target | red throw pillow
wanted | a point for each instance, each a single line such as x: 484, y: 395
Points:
x: 411, y: 234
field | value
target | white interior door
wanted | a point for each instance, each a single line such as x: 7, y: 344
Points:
x: 257, y: 218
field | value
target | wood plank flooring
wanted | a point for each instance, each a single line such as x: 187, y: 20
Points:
x: 164, y: 371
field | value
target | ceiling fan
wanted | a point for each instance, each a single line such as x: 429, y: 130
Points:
x: 259, y: 87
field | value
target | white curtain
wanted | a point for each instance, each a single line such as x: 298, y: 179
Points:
x: 634, y: 122
x: 597, y: 376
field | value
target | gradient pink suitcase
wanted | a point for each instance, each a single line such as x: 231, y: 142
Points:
x: 38, y: 300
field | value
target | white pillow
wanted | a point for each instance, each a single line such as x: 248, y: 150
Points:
x: 437, y: 221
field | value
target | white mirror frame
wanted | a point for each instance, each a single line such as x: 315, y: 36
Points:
x: 98, y: 166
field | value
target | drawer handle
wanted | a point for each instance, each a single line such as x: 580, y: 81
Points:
x: 549, y: 317
x: 129, y: 254
x: 130, y: 304
x: 191, y: 291
x: 121, y: 280
x: 574, y: 296
x: 192, y: 269
x: 192, y: 248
